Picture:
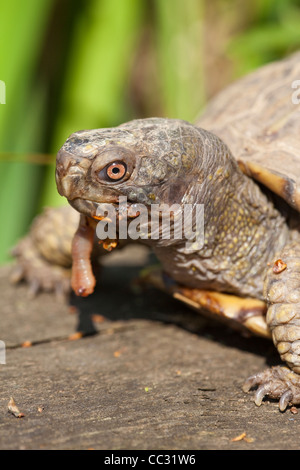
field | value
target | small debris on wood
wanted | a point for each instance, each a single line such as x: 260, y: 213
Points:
x: 75, y: 336
x: 279, y: 266
x: 97, y: 318
x: 110, y: 245
x: 73, y: 310
x: 26, y: 344
x: 242, y: 437
x: 110, y: 331
x: 294, y: 410
x: 40, y: 409
x: 12, y: 408
x: 119, y: 352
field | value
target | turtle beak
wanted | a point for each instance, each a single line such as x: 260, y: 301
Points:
x: 73, y: 184
x: 69, y: 174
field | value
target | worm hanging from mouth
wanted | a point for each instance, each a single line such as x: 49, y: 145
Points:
x: 83, y: 280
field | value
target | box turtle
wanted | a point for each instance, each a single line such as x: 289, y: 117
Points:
x: 241, y: 161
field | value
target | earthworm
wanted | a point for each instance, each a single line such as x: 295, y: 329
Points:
x: 83, y: 280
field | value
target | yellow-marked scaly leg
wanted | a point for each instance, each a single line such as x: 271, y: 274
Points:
x: 243, y: 314
x: 282, y: 292
x: 43, y: 256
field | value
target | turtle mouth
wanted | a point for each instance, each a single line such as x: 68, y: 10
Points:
x: 88, y: 207
x: 96, y: 210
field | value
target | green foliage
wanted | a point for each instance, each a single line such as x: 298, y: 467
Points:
x: 98, y: 66
x: 272, y: 33
x: 74, y: 64
x: 21, y: 33
x: 179, y: 44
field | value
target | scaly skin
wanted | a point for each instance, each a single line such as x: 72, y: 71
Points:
x: 44, y: 255
x: 282, y: 293
x: 173, y: 162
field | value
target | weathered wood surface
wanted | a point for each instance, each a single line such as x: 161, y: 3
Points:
x: 153, y: 376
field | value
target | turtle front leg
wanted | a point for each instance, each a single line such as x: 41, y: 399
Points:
x: 282, y: 293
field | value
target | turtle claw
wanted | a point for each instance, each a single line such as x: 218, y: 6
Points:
x: 285, y: 399
x: 17, y: 274
x: 39, y: 274
x: 279, y: 383
x: 260, y: 395
x: 62, y: 290
x: 34, y: 287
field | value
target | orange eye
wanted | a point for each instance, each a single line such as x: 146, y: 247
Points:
x: 115, y: 171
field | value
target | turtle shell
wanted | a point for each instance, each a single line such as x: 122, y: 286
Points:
x: 258, y: 117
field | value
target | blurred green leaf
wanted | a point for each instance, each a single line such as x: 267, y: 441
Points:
x: 274, y: 33
x: 75, y: 64
x: 180, y: 52
x: 99, y: 63
x: 21, y: 118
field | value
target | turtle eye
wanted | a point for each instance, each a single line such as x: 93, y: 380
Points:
x: 114, y: 171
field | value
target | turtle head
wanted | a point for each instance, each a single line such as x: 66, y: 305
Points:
x: 150, y: 161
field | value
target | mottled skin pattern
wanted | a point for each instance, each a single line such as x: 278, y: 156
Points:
x: 174, y: 162
x: 259, y: 119
x: 44, y: 255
